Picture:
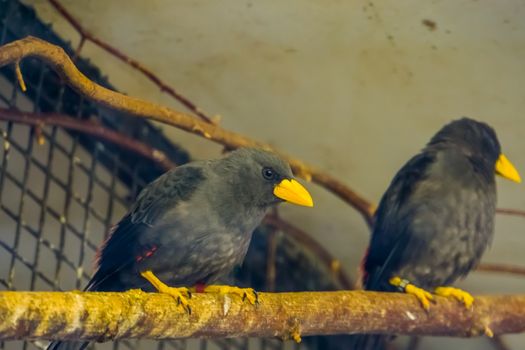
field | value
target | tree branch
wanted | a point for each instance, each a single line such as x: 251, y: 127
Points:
x: 90, y: 128
x: 307, y: 241
x: 508, y: 211
x: 56, y: 57
x: 502, y: 268
x: 135, y: 314
x: 85, y: 35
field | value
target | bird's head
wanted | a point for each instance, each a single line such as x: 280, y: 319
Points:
x: 479, y: 142
x: 264, y: 179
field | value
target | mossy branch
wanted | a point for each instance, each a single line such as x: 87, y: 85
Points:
x: 135, y: 314
x: 59, y: 61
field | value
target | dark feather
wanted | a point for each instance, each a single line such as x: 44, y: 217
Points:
x: 387, y: 240
x: 436, y: 218
x: 122, y: 247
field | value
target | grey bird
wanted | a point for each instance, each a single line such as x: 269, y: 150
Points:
x: 436, y: 218
x: 192, y: 226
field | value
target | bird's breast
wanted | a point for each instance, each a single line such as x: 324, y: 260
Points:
x: 449, y: 234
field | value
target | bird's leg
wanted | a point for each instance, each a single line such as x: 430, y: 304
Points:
x: 422, y: 295
x: 181, y: 294
x: 245, y: 293
x: 465, y: 297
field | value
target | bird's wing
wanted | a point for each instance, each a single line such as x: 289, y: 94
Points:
x: 155, y: 200
x: 165, y: 193
x: 392, y: 225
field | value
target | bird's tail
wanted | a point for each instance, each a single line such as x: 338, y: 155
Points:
x: 67, y: 345
x: 368, y: 280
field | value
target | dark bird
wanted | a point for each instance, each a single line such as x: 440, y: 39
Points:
x: 192, y: 226
x: 436, y: 218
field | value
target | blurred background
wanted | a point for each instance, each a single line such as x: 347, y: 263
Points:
x: 352, y: 87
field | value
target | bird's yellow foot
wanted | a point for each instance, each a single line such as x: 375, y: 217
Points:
x: 466, y: 298
x: 422, y: 295
x: 181, y: 294
x: 245, y: 293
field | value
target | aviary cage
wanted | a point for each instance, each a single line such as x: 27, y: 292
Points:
x: 70, y: 168
x: 61, y: 190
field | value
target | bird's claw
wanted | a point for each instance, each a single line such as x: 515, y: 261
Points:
x: 422, y: 295
x: 464, y: 297
x: 251, y: 295
x: 181, y: 294
x: 245, y: 293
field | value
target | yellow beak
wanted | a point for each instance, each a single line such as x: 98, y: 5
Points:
x: 293, y: 192
x: 505, y: 168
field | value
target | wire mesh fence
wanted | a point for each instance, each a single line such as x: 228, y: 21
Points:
x: 60, y: 192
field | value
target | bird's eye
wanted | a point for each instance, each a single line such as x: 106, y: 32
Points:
x: 268, y: 173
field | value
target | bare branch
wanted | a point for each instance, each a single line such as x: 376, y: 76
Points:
x: 20, y: 77
x: 507, y: 211
x: 502, y: 268
x: 307, y: 241
x: 90, y: 128
x: 62, y: 64
x: 135, y: 314
x: 85, y: 35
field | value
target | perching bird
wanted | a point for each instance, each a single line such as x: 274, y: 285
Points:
x: 436, y: 219
x: 193, y: 225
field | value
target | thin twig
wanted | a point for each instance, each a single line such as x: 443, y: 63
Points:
x: 508, y: 211
x: 310, y: 243
x: 76, y: 53
x: 20, y: 77
x: 90, y: 128
x: 86, y: 35
x: 62, y: 64
x: 502, y: 268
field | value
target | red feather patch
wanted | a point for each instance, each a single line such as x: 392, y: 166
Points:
x: 147, y: 253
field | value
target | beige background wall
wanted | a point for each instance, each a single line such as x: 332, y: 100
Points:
x: 354, y: 87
